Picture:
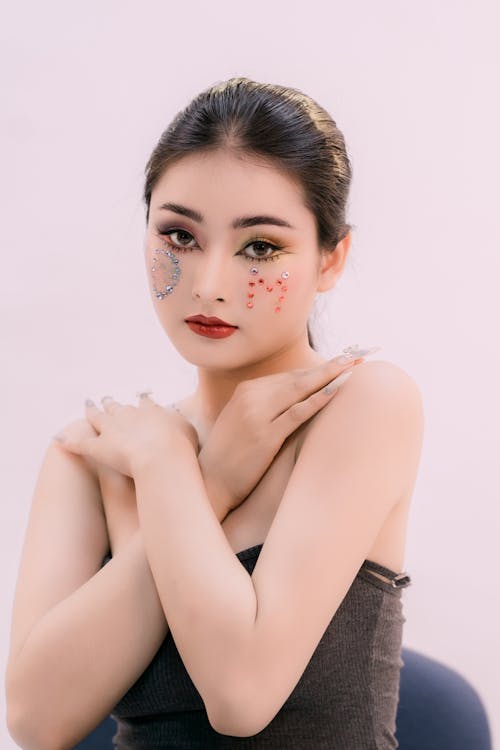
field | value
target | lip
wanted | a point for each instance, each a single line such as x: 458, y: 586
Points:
x: 212, y: 321
x: 213, y: 331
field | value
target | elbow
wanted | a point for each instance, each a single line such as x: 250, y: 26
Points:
x: 236, y: 717
x: 25, y: 735
x: 30, y: 734
x: 236, y: 725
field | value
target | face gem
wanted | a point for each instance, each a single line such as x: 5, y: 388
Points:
x: 170, y: 272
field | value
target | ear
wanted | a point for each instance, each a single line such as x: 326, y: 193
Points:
x: 332, y: 264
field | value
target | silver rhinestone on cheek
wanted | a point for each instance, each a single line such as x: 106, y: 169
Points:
x: 174, y: 272
x: 254, y: 270
x: 285, y: 275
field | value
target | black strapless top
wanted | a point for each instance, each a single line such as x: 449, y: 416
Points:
x: 346, y: 699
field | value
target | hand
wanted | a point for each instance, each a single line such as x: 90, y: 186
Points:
x: 263, y: 412
x: 124, y: 432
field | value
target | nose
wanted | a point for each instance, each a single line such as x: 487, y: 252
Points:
x: 211, y: 276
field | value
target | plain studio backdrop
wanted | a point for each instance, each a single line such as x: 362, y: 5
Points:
x: 87, y: 89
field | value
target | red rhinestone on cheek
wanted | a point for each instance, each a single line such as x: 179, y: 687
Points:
x: 249, y: 304
x: 284, y: 288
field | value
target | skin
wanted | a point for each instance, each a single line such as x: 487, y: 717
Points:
x: 214, y: 275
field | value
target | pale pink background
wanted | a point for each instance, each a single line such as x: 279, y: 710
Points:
x: 86, y: 92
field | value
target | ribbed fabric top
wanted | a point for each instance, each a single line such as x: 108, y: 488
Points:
x: 346, y: 699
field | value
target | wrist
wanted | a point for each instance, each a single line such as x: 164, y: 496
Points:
x: 156, y: 453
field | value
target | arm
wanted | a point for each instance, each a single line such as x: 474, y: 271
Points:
x: 64, y: 607
x: 242, y: 638
x: 69, y: 521
x: 60, y: 630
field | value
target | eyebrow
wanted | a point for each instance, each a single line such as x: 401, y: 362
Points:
x: 240, y: 222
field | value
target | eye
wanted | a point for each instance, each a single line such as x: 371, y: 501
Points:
x: 268, y: 245
x: 171, y: 232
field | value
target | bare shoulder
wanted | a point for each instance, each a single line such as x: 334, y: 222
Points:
x: 379, y: 399
x: 381, y: 370
x: 392, y: 383
x: 396, y: 391
x: 382, y: 383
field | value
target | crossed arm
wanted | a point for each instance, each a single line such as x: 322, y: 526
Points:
x: 247, y: 625
x: 73, y: 621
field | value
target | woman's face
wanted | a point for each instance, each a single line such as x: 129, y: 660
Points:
x: 259, y: 274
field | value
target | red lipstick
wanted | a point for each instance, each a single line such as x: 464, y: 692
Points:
x: 211, y: 327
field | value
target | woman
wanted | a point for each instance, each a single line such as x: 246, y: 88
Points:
x: 253, y: 593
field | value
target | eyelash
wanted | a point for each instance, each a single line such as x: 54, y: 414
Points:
x: 254, y: 240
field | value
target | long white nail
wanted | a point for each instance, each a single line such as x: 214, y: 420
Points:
x: 334, y: 384
x: 355, y: 352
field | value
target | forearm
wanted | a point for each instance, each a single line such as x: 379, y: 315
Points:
x: 86, y: 652
x: 217, y: 493
x: 206, y: 594
x: 118, y: 607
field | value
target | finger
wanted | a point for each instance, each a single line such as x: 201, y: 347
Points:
x: 93, y: 414
x: 82, y: 447
x: 109, y: 405
x: 145, y: 398
x: 301, y: 411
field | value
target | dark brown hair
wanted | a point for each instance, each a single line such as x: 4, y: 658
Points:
x: 277, y: 123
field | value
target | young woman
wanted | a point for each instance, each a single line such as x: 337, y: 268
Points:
x: 256, y: 528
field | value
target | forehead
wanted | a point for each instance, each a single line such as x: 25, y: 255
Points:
x: 222, y: 183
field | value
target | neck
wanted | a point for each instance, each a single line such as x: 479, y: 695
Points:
x: 216, y: 387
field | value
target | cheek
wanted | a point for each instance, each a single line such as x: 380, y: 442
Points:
x: 163, y: 270
x: 266, y: 284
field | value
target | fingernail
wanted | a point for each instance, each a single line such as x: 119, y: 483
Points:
x: 355, y: 352
x: 60, y: 438
x: 334, y: 384
x: 89, y: 402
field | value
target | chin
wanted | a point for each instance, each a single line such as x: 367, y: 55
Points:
x: 218, y: 355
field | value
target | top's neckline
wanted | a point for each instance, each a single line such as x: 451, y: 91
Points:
x: 253, y: 551
x: 249, y: 551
